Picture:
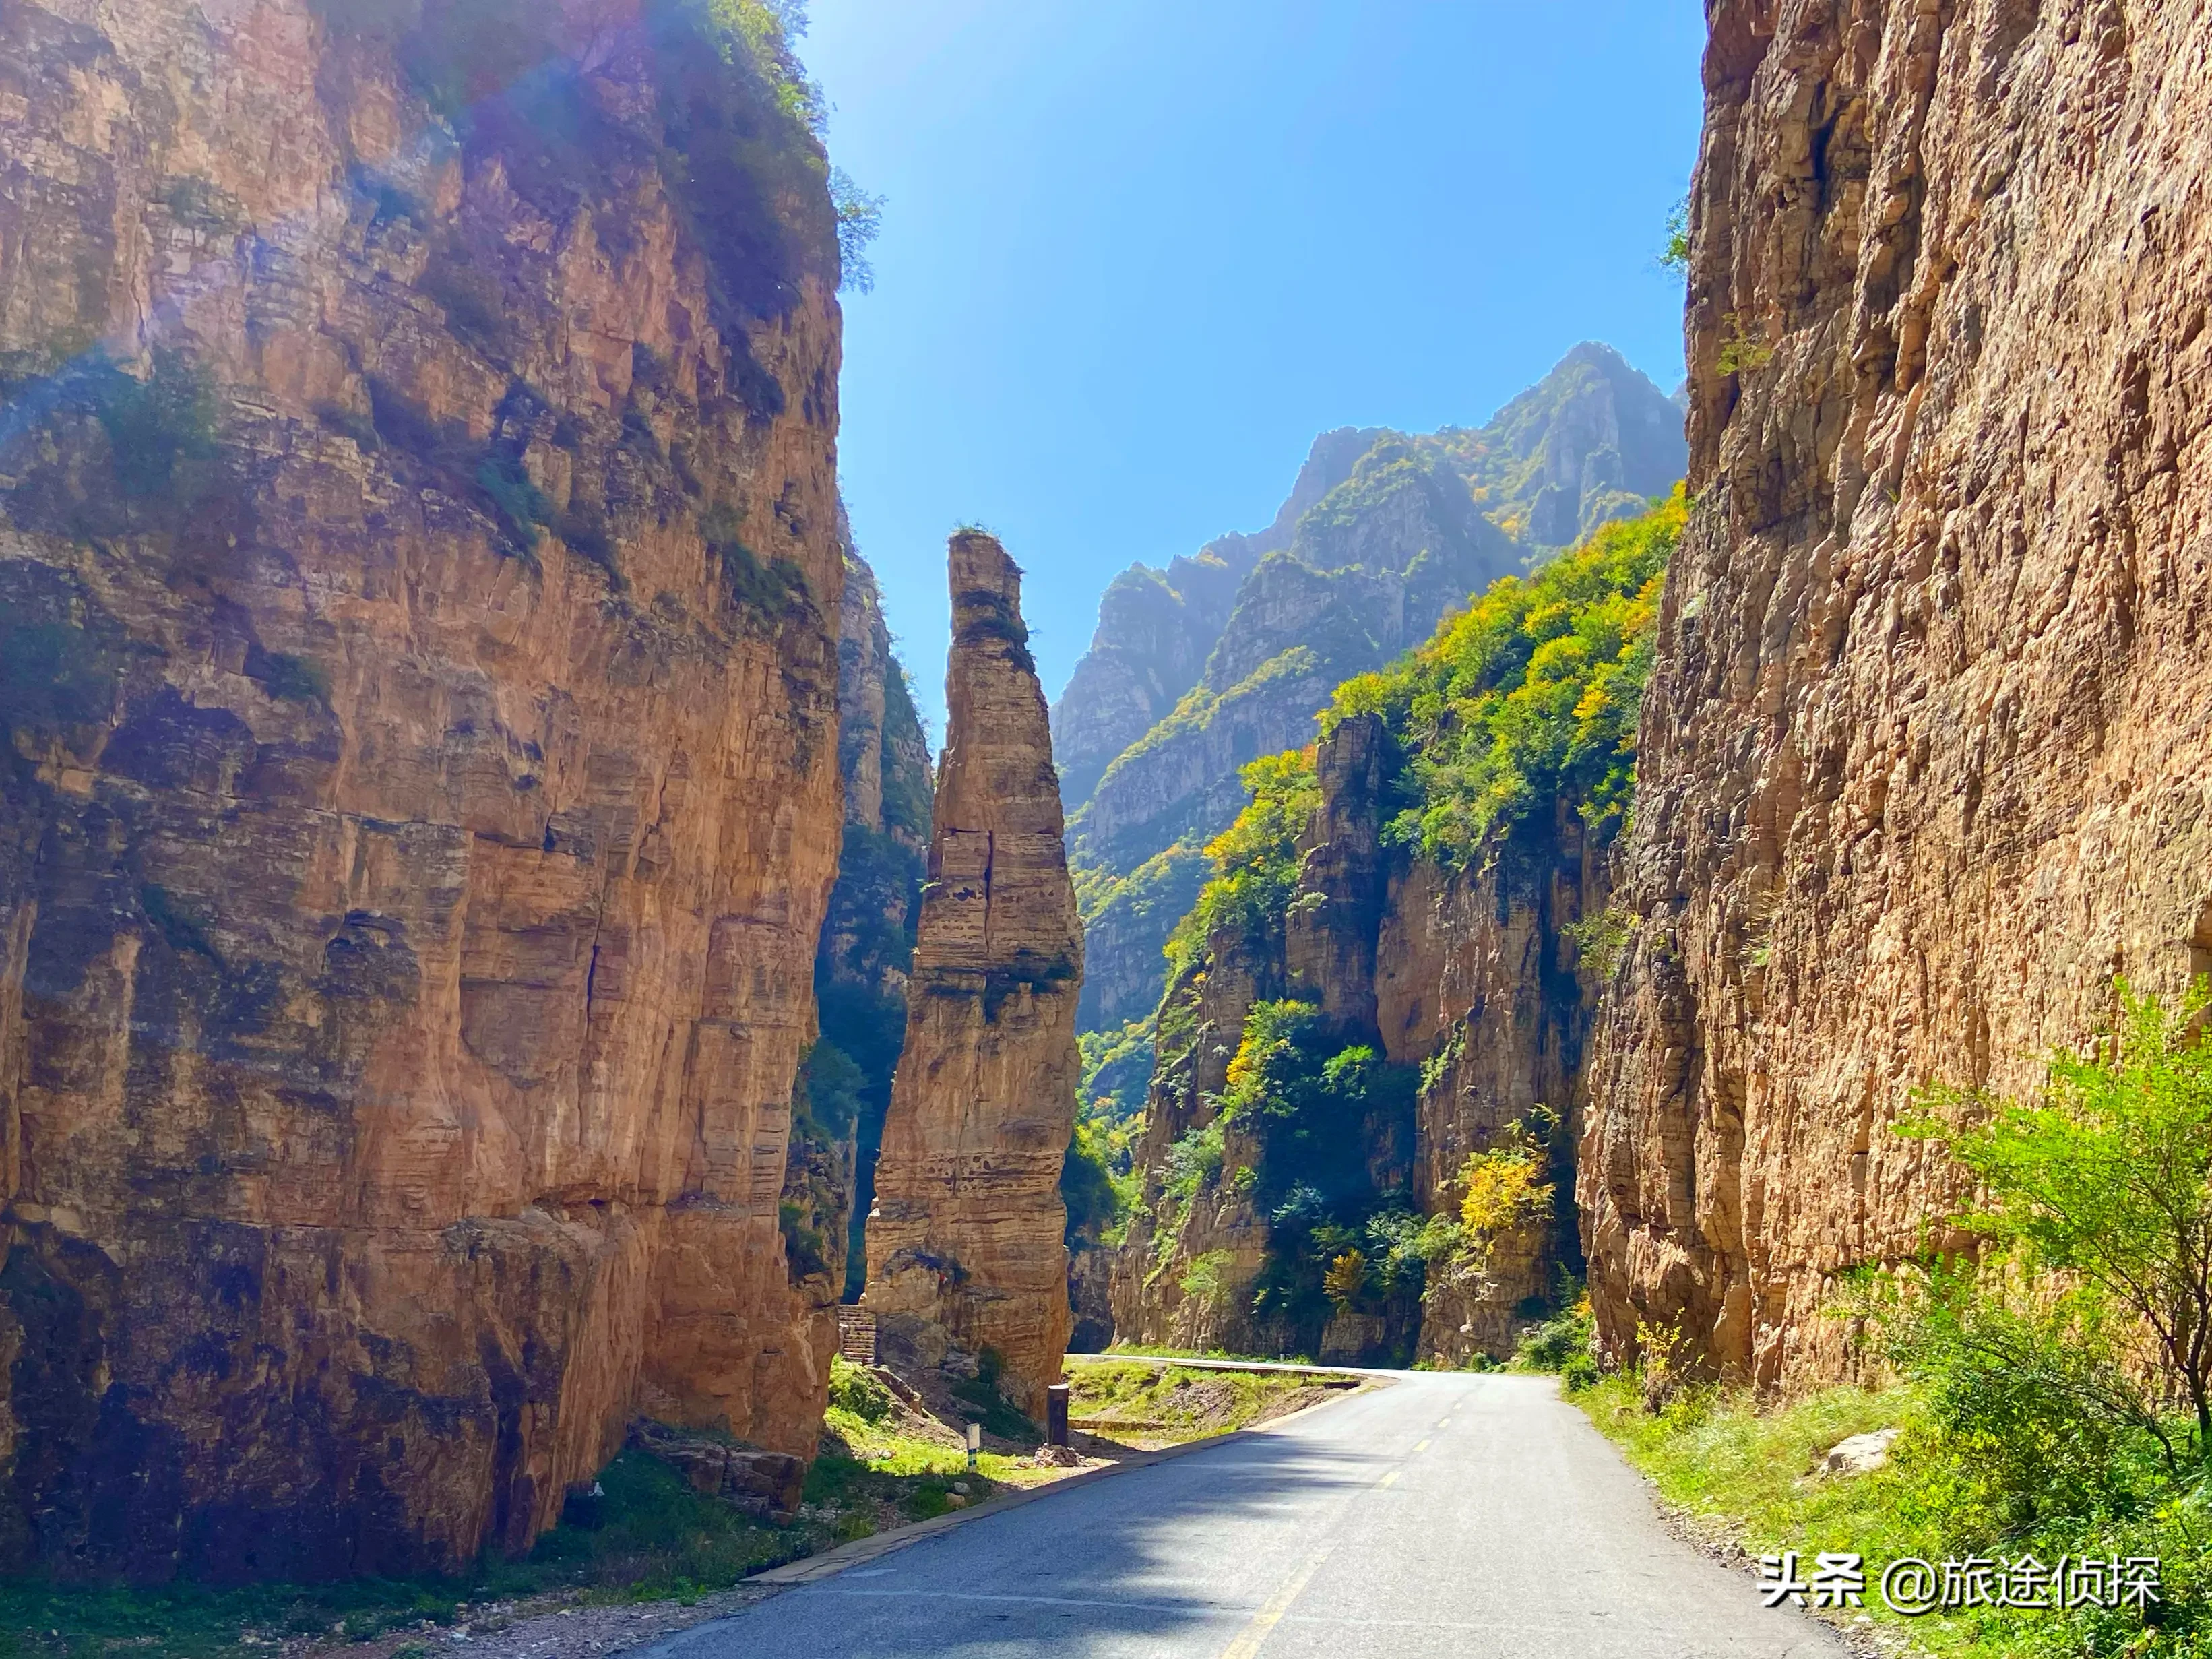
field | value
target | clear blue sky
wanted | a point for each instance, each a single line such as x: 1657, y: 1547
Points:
x: 1136, y: 255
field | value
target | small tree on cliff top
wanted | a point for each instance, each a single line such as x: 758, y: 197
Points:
x: 2108, y: 1177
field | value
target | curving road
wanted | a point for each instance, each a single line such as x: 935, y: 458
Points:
x: 1461, y: 1516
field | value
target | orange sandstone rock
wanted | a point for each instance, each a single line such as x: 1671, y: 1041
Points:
x: 418, y: 587
x: 1927, y: 754
x: 965, y: 1243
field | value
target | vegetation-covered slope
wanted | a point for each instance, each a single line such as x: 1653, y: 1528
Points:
x: 1352, y: 1135
x: 1197, y: 669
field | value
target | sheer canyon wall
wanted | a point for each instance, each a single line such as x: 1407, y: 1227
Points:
x: 419, y: 583
x: 1926, y: 760
x: 1468, y: 983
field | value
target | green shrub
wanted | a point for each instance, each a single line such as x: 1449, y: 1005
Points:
x: 1741, y: 353
x: 2031, y: 1396
x: 1117, y: 1070
x: 853, y: 1390
x: 1309, y: 1097
x: 1674, y: 252
x: 1194, y: 1160
x: 155, y: 424
x: 521, y: 506
x: 288, y: 679
x: 859, y: 220
x: 771, y: 591
x: 1255, y: 861
x: 2050, y: 1400
x: 1205, y: 1279
x: 1093, y: 1199
x: 1530, y: 694
x: 1560, y: 1341
x: 2107, y: 1178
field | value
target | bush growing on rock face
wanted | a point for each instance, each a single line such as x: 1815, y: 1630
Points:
x: 1530, y: 694
x: 1093, y: 1199
x: 1194, y: 1161
x: 1255, y: 860
x: 1206, y: 1278
x: 1562, y: 1343
x: 1306, y: 1099
x: 1502, y: 1187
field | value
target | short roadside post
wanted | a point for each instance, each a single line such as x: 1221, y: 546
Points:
x: 1055, y: 1414
x: 974, y: 1443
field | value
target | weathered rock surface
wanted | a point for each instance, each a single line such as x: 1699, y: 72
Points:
x: 1469, y: 975
x: 1860, y: 1453
x: 1219, y: 659
x: 881, y: 748
x: 1926, y: 757
x: 418, y: 585
x: 965, y: 1243
x: 765, y: 1485
x: 1480, y: 978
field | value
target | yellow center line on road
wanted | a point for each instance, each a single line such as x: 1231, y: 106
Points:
x: 1390, y: 1478
x: 1249, y: 1639
x: 1420, y: 1445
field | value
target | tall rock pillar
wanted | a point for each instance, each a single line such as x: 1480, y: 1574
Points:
x: 965, y: 1244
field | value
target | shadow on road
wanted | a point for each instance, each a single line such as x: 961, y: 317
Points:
x: 1203, y: 1539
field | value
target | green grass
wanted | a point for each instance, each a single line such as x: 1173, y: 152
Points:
x: 190, y: 1620
x: 1174, y: 1403
x: 650, y: 1537
x: 886, y: 1479
x: 1747, y: 1476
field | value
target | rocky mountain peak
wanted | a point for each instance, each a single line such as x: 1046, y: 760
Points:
x: 1199, y: 669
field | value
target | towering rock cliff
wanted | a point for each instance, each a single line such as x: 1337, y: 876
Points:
x: 1384, y: 993
x: 1199, y: 669
x: 966, y: 1254
x: 867, y: 944
x: 418, y: 598
x: 1927, y: 757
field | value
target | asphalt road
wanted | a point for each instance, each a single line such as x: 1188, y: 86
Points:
x: 1454, y: 1516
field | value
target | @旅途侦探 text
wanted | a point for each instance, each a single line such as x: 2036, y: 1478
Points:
x: 1913, y: 1587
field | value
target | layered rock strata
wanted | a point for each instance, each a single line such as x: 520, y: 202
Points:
x: 419, y: 598
x: 965, y: 1244
x: 867, y: 941
x: 1926, y: 756
x: 1472, y: 975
